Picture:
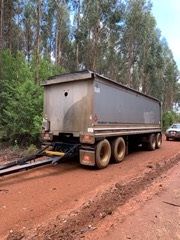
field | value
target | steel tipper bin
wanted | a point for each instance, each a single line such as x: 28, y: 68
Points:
x: 100, y: 114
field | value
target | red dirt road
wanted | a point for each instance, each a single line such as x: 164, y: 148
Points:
x: 31, y: 198
x: 157, y: 218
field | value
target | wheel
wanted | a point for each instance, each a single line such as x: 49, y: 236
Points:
x: 158, y: 140
x: 167, y: 138
x: 152, y: 142
x: 118, y: 148
x: 103, y: 154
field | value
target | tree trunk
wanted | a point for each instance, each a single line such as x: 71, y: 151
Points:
x: 58, y: 47
x: 1, y: 34
x: 96, y: 38
x: 130, y: 65
x: 1, y: 23
x: 59, y: 33
x: 28, y: 44
x: 37, y: 59
x: 77, y: 37
x: 10, y: 16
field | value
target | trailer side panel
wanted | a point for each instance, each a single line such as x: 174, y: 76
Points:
x: 115, y: 105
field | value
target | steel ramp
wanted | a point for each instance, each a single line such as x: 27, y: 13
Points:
x: 59, y: 151
x: 27, y: 166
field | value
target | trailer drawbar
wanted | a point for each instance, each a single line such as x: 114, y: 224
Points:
x: 50, y: 154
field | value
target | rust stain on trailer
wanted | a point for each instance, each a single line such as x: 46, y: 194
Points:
x: 76, y: 116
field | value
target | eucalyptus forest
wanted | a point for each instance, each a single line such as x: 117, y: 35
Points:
x: 116, y: 38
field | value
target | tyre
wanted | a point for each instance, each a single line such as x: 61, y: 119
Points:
x: 158, y: 140
x: 152, y: 142
x: 118, y: 148
x: 103, y: 154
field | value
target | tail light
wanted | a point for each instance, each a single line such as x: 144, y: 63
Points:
x: 87, y: 157
x: 87, y: 138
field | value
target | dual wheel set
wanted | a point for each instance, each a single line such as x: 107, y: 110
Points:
x: 117, y: 148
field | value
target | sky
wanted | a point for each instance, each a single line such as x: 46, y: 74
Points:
x: 167, y: 15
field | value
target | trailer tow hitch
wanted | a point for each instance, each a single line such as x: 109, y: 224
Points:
x: 58, y: 152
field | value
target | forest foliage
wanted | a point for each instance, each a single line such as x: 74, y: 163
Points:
x: 116, y: 38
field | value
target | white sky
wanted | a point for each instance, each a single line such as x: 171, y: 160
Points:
x: 167, y: 14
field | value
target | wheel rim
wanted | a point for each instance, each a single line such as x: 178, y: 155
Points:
x: 159, y: 140
x: 120, y: 150
x: 154, y: 143
x: 104, y: 153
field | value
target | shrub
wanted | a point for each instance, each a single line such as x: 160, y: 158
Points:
x: 169, y: 118
x: 21, y: 99
x: 23, y: 113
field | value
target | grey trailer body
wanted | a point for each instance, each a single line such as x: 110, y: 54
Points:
x: 87, y: 102
x: 120, y: 110
x: 91, y: 107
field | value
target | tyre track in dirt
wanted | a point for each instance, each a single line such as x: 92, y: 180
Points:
x: 84, y: 219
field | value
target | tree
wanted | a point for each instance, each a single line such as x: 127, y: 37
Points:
x: 134, y: 44
x: 117, y: 38
x: 170, y: 78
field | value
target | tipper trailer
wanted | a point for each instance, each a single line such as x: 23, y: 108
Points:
x: 103, y: 116
x: 96, y: 118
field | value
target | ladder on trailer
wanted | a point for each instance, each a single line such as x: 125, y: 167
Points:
x: 57, y: 152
